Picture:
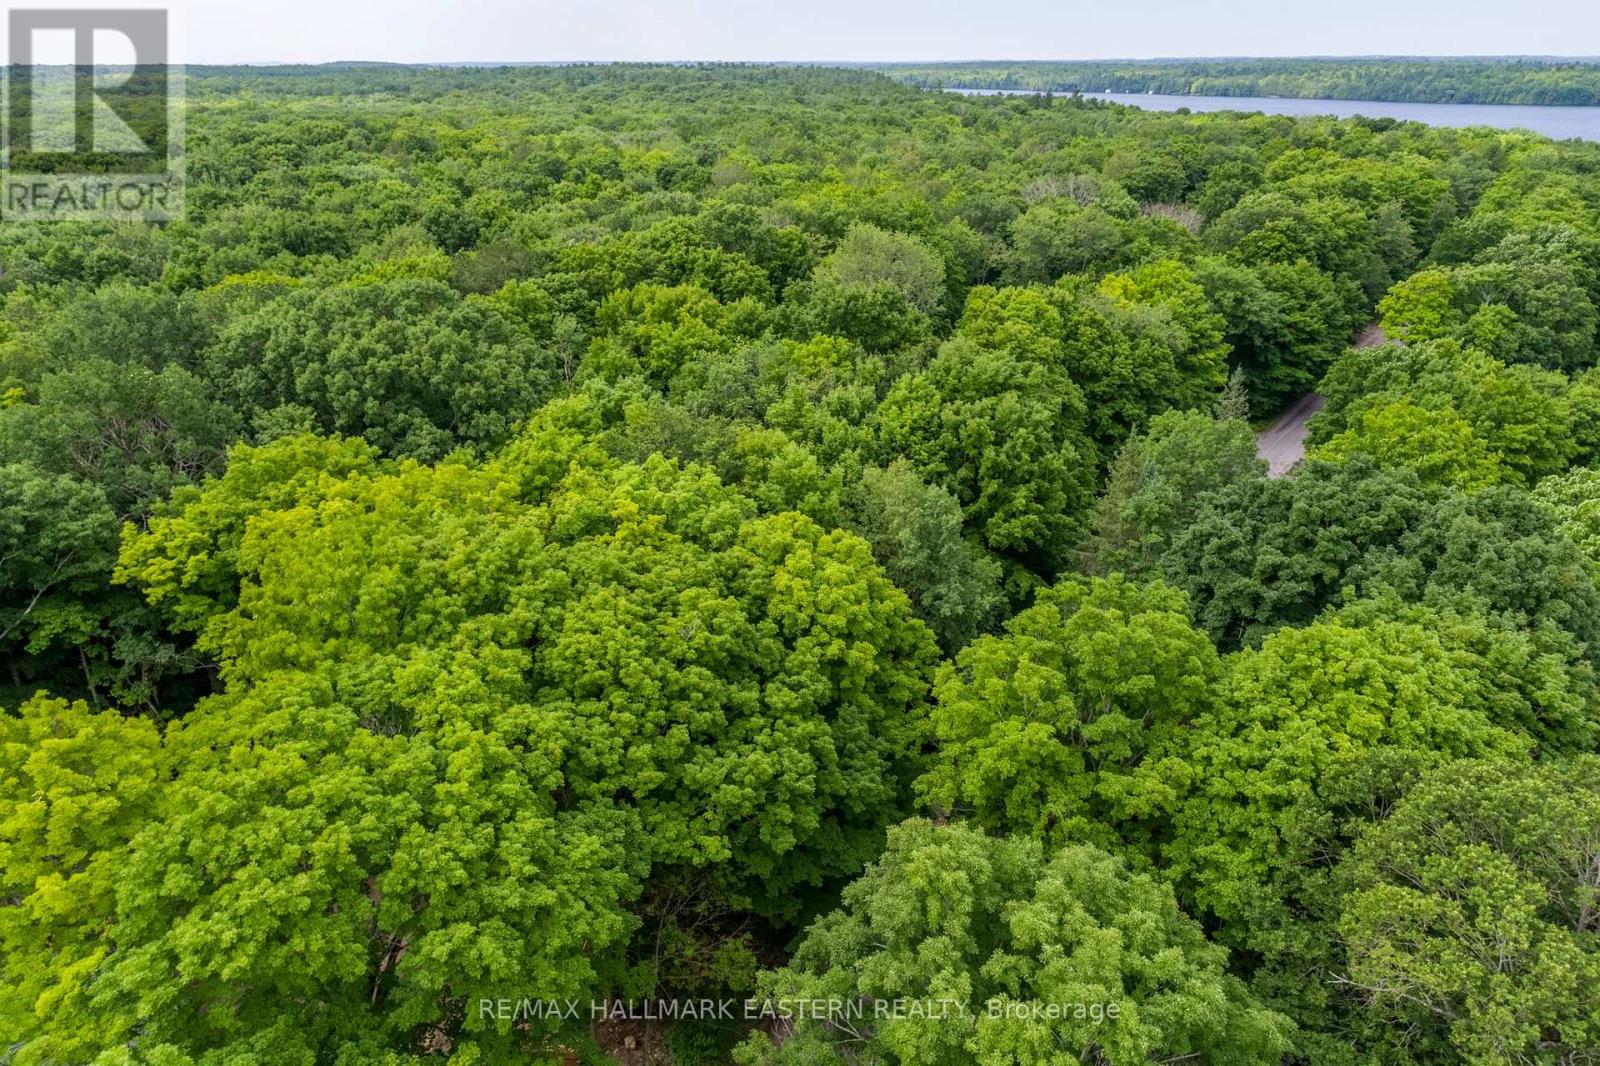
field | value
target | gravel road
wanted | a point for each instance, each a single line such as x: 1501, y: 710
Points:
x: 1283, y: 444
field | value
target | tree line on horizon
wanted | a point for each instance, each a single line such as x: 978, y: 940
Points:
x: 1421, y: 80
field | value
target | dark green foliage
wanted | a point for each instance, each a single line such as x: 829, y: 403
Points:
x: 58, y: 542
x: 134, y: 432
x: 408, y: 365
x: 915, y: 532
x: 1268, y: 553
x: 1159, y: 481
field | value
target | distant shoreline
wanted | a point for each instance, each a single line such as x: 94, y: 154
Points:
x: 1558, y: 122
x: 1522, y: 81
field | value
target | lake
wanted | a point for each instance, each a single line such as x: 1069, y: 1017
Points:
x: 1560, y: 123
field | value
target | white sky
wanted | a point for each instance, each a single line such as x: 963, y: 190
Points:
x: 233, y: 31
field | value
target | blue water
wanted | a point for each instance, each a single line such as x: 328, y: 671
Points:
x: 1558, y: 122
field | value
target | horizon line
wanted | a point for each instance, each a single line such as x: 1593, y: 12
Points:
x: 873, y: 63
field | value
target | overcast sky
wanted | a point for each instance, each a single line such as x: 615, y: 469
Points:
x: 230, y: 31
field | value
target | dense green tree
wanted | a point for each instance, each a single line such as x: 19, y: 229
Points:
x: 683, y: 414
x: 1284, y: 323
x: 1468, y: 922
x: 287, y: 854
x: 58, y: 543
x: 1143, y: 342
x: 1284, y: 227
x: 1041, y: 730
x: 995, y: 929
x: 1438, y: 444
x: 1056, y: 237
x: 876, y: 316
x: 1520, y: 301
x: 865, y: 674
x: 408, y: 365
x: 1265, y: 553
x: 456, y: 743
x: 1313, y: 736
x: 1533, y: 421
x: 1002, y: 433
x: 135, y: 433
x: 127, y: 324
x: 1157, y: 483
x: 75, y: 788
x: 1421, y: 308
x: 916, y: 534
x: 870, y: 256
x: 1574, y: 499
x: 188, y: 565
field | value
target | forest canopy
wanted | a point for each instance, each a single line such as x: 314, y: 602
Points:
x: 613, y: 535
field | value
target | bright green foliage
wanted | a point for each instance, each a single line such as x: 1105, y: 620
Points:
x: 1540, y: 683
x: 1157, y: 482
x: 781, y: 475
x: 1524, y: 300
x: 292, y: 856
x: 461, y: 730
x: 1145, y: 342
x: 74, y: 788
x: 1468, y: 925
x: 1438, y: 444
x: 1041, y: 730
x: 188, y: 566
x: 1533, y: 421
x: 1421, y: 308
x: 1172, y: 287
x: 1026, y: 322
x: 1313, y: 735
x: 654, y: 331
x: 1574, y: 499
x: 731, y: 618
x: 995, y: 928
